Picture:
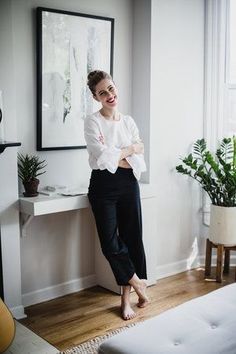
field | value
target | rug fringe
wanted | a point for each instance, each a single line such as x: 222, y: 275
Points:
x: 91, y: 346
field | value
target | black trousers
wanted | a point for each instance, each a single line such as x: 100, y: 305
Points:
x: 115, y: 202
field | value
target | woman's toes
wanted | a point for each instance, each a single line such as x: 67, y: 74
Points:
x: 143, y: 302
x: 127, y: 312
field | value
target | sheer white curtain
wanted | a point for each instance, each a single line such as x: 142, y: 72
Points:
x: 220, y: 76
x: 229, y: 121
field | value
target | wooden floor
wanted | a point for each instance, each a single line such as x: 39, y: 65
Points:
x: 72, y: 319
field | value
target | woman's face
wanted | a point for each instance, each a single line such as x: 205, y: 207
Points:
x: 106, y: 93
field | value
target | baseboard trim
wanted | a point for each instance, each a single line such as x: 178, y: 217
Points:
x: 58, y: 290
x: 166, y: 270
x: 213, y: 260
x: 18, y: 312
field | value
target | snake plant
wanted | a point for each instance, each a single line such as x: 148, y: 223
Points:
x: 216, y: 173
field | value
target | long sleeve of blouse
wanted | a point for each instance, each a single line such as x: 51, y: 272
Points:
x: 105, y: 139
x: 136, y: 161
x: 105, y: 157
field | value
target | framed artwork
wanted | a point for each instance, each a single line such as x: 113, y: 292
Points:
x: 69, y: 46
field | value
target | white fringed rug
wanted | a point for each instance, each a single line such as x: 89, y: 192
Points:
x: 91, y: 347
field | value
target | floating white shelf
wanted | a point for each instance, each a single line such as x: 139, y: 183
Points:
x: 43, y: 204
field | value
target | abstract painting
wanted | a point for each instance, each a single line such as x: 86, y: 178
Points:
x: 69, y: 46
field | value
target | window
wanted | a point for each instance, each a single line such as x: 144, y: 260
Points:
x: 220, y: 76
x: 231, y: 48
x: 229, y: 127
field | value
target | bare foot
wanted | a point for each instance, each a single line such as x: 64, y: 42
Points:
x: 127, y: 312
x: 143, y: 300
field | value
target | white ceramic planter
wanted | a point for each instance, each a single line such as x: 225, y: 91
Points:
x: 223, y: 225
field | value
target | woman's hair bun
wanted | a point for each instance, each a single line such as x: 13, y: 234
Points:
x: 94, y: 77
x: 92, y: 73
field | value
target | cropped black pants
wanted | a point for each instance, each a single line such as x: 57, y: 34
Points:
x: 115, y: 202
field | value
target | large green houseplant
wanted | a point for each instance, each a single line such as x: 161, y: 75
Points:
x: 216, y: 173
x: 29, y: 168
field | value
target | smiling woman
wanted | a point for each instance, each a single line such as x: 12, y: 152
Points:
x: 116, y: 158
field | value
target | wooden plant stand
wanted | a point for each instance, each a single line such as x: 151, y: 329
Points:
x: 223, y: 253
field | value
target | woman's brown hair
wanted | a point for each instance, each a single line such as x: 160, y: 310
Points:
x: 94, y: 77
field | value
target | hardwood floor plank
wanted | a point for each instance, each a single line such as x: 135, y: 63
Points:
x: 72, y: 319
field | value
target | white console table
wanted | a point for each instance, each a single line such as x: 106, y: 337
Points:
x: 42, y: 204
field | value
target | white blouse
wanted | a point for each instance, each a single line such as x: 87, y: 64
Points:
x: 105, y: 139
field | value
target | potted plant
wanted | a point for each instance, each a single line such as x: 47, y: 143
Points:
x: 29, y: 168
x: 216, y: 173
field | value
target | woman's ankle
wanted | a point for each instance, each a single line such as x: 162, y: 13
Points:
x: 135, y: 281
x: 125, y: 293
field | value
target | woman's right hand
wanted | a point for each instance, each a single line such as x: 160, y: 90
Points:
x: 138, y: 148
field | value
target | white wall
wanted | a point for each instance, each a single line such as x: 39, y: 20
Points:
x: 9, y: 216
x: 141, y: 98
x: 169, y: 95
x: 168, y: 80
x: 177, y: 78
x: 7, y: 70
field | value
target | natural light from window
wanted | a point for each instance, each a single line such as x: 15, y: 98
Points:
x: 229, y: 124
x: 231, y: 79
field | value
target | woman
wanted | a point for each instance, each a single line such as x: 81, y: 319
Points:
x: 116, y: 158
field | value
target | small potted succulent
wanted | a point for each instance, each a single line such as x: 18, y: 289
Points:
x: 29, y: 168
